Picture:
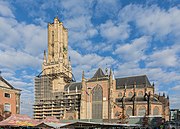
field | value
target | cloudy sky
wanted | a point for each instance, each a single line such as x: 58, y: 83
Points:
x: 132, y: 37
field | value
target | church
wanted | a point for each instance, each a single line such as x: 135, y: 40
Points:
x: 99, y: 98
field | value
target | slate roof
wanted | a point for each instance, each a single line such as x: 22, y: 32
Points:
x: 99, y: 74
x: 72, y: 86
x: 141, y: 81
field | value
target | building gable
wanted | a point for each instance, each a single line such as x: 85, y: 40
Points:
x: 5, y: 84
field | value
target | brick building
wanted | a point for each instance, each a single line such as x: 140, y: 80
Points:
x: 102, y: 97
x: 9, y: 99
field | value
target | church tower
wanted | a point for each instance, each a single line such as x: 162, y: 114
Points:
x: 56, y: 63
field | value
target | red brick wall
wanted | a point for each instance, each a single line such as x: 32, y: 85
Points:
x: 11, y: 100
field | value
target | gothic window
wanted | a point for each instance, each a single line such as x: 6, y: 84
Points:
x: 156, y: 111
x: 142, y: 111
x: 129, y: 111
x: 97, y: 102
x: 130, y: 94
x: 140, y: 93
x: 120, y: 94
x: 52, y: 44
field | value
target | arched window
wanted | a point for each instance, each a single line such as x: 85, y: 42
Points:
x: 120, y: 94
x: 97, y: 102
x: 7, y: 107
x: 70, y: 118
x: 156, y: 111
x: 142, y: 111
x: 140, y: 93
x: 130, y: 94
x: 129, y: 111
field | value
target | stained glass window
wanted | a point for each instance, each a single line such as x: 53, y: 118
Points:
x: 97, y: 102
x: 156, y: 111
x: 142, y: 111
x: 129, y: 111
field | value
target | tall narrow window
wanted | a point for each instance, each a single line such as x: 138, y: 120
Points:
x: 129, y: 111
x: 52, y: 44
x: 142, y: 111
x: 97, y: 102
x: 156, y: 111
x: 7, y: 107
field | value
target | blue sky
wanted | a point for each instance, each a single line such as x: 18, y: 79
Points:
x: 133, y: 37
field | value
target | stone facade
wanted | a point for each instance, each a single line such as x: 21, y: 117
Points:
x: 101, y: 97
x: 10, y: 99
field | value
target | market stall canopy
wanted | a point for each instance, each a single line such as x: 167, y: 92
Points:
x: 51, y: 119
x: 51, y: 125
x: 83, y: 124
x: 16, y: 120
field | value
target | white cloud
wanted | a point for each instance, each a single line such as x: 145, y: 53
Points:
x: 76, y: 8
x: 27, y: 101
x: 20, y: 84
x: 21, y: 44
x: 88, y: 62
x: 114, y: 32
x: 174, y: 101
x: 5, y: 10
x: 81, y: 29
x: 22, y: 36
x: 133, y: 51
x: 10, y: 35
x: 18, y: 60
x: 161, y: 77
x: 90, y: 59
x: 176, y: 88
x: 153, y: 20
x: 106, y: 8
x: 166, y: 58
x: 33, y: 37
